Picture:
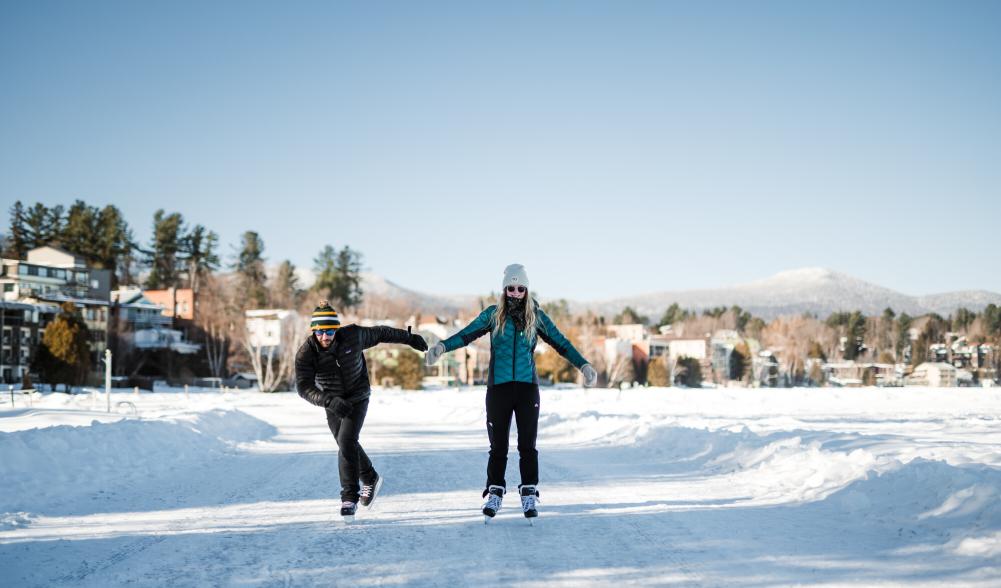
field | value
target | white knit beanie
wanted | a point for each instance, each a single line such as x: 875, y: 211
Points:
x: 514, y: 275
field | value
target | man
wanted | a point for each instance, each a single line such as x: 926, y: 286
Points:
x: 330, y: 371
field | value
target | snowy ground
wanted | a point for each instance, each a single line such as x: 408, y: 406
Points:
x: 641, y: 487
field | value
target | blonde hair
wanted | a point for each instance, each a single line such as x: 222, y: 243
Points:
x: 500, y: 316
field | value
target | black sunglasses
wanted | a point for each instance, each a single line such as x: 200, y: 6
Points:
x: 518, y: 289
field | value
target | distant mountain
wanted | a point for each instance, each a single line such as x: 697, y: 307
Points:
x: 378, y: 286
x: 815, y: 290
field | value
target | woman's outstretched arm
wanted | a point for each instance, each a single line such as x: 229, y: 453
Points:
x: 555, y: 339
x: 558, y: 341
x: 480, y: 326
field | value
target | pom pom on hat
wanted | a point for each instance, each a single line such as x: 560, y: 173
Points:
x: 324, y: 317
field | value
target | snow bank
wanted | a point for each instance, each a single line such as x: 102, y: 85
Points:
x: 52, y: 465
x: 928, y: 499
x: 878, y: 481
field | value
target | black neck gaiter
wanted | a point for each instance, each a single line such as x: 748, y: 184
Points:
x: 516, y: 310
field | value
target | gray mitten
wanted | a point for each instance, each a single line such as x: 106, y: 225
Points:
x: 434, y: 353
x: 590, y: 376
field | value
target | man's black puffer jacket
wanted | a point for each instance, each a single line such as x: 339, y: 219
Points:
x: 340, y: 370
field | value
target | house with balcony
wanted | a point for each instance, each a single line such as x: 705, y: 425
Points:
x: 21, y: 327
x: 272, y: 329
x: 50, y: 276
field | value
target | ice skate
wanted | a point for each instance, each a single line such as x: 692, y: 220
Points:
x: 494, y: 496
x: 529, y: 498
x: 348, y: 511
x: 370, y: 491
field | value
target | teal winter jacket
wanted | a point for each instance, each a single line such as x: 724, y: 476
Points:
x: 512, y: 355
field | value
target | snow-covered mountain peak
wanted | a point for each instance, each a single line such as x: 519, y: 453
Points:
x: 806, y: 275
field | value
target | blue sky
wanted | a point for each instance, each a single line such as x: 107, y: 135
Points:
x: 613, y: 148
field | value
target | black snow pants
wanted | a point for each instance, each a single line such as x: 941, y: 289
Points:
x: 522, y: 400
x: 352, y: 462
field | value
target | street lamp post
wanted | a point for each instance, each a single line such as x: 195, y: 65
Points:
x: 107, y: 376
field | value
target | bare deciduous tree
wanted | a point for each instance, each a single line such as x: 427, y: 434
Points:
x: 273, y: 364
x: 217, y: 317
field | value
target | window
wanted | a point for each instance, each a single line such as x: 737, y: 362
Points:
x: 94, y: 284
x: 8, y: 287
x: 22, y: 270
x: 43, y: 272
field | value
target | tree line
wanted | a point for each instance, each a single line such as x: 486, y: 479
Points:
x: 800, y: 343
x: 178, y: 255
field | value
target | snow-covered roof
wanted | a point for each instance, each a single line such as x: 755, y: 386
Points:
x: 84, y: 301
x: 936, y: 364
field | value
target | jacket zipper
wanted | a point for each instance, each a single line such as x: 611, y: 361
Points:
x: 514, y: 352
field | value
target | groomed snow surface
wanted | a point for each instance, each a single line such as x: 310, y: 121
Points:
x: 646, y: 487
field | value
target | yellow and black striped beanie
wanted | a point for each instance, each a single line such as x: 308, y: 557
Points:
x: 324, y: 317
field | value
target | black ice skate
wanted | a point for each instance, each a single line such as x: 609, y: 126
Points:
x: 529, y: 497
x: 370, y: 491
x: 348, y: 511
x: 494, y: 496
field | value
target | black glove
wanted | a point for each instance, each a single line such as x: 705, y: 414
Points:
x: 417, y: 342
x: 339, y: 406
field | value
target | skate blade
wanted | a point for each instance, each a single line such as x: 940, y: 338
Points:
x: 349, y: 519
x: 487, y: 519
x: 531, y: 522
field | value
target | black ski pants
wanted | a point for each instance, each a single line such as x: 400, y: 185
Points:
x: 352, y: 462
x: 521, y: 400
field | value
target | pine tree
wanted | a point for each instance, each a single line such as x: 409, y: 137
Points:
x: 250, y: 271
x: 199, y: 253
x: 741, y: 317
x: 113, y: 242
x: 855, y: 332
x: 101, y: 237
x: 17, y: 244
x: 338, y: 276
x: 673, y: 315
x: 657, y: 373
x: 409, y: 370
x: 79, y: 233
x: 285, y: 292
x: 962, y: 320
x: 816, y: 351
x: 688, y: 372
x: 168, y: 231
x: 63, y: 354
x: 44, y: 225
x: 740, y: 362
x: 629, y: 316
x: 903, y: 328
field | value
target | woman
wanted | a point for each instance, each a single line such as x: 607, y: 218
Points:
x: 513, y: 384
